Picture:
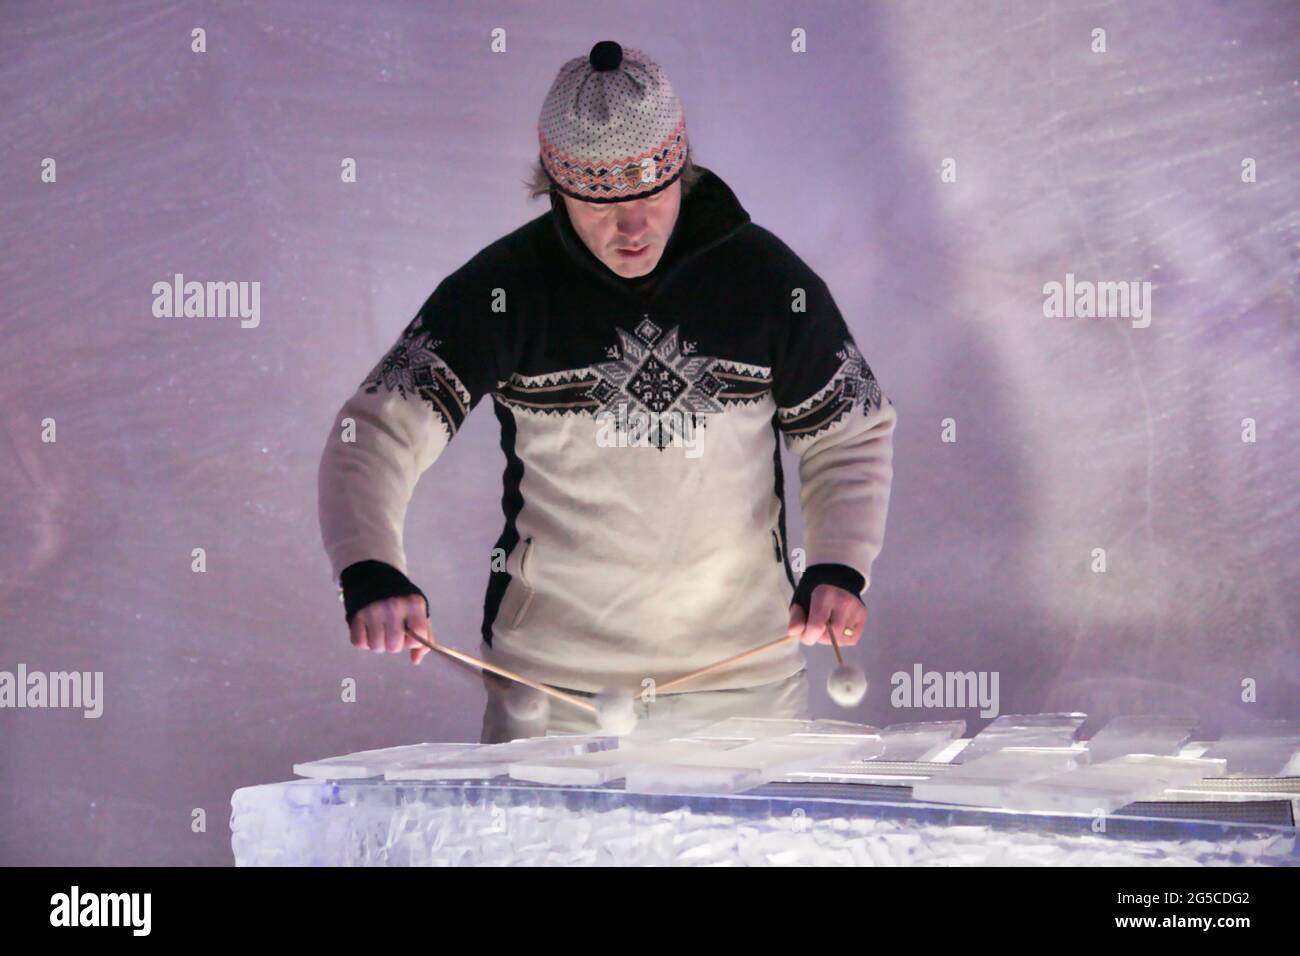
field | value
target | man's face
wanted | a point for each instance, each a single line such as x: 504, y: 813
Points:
x: 641, y: 226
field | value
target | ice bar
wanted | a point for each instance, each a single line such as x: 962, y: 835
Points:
x: 1023, y: 730
x: 1106, y: 787
x: 984, y: 781
x: 1140, y: 735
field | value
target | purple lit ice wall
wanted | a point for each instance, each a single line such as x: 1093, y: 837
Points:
x: 938, y: 164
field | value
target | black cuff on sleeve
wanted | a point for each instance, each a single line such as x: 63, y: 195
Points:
x: 368, y: 581
x: 838, y: 575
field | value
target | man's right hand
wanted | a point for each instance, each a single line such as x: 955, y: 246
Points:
x: 380, y: 626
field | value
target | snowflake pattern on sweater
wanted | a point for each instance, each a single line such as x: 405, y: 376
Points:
x: 651, y: 372
x: 412, y: 367
x: 852, y: 386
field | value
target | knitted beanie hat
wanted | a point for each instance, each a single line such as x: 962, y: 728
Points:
x: 612, y: 129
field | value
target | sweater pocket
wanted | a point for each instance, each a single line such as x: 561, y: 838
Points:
x: 519, y: 593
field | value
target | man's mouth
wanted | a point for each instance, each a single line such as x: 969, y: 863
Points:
x: 633, y: 253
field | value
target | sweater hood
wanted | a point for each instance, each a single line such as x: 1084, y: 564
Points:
x: 710, y: 214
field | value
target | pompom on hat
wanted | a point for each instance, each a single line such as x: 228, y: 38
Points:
x: 612, y: 129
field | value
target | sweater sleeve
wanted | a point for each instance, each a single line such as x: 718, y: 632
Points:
x: 832, y: 414
x: 401, y: 418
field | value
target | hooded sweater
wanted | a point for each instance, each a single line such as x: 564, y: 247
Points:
x: 641, y: 422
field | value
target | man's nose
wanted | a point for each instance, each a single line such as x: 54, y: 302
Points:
x: 631, y: 222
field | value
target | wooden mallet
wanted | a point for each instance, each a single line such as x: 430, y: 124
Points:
x: 502, y: 672
x: 846, y: 684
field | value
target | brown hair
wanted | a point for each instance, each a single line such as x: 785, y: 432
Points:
x: 539, y: 184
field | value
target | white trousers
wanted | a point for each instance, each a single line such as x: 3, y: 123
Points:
x: 786, y: 698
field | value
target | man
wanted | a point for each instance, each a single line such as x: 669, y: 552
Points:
x: 646, y: 347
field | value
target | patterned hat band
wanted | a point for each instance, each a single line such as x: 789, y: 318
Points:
x: 611, y: 128
x: 634, y: 178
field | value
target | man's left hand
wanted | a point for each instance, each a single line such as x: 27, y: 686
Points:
x: 830, y: 607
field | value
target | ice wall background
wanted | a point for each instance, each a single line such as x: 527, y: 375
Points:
x: 1072, y: 434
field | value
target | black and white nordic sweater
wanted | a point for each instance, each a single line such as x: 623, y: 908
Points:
x: 643, y: 493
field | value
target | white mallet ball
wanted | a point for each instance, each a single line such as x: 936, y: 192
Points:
x: 847, y: 685
x: 527, y: 705
x: 615, y: 712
